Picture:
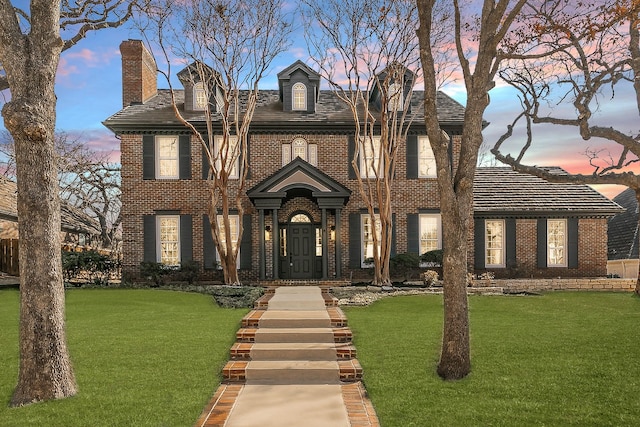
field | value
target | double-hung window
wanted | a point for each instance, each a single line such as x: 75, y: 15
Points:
x: 396, y: 101
x: 426, y: 159
x: 494, y: 243
x: 234, y: 224
x: 200, y: 96
x: 370, y: 164
x: 557, y: 243
x: 228, y: 155
x: 368, y: 230
x: 430, y: 232
x: 167, y: 165
x: 168, y: 241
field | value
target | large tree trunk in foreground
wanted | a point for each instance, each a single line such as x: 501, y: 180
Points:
x: 31, y: 62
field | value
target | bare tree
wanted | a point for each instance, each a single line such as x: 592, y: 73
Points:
x: 587, y: 59
x: 478, y: 29
x: 87, y: 180
x: 30, y: 48
x: 362, y: 51
x: 231, y: 44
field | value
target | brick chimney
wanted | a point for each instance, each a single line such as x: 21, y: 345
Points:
x: 139, y: 73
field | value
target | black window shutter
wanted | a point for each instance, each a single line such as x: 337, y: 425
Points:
x: 205, y: 160
x: 478, y: 244
x: 245, y: 244
x: 510, y: 242
x: 184, y: 150
x: 572, y: 242
x: 248, y: 155
x: 148, y: 157
x: 354, y: 241
x: 186, y: 238
x: 352, y: 151
x: 542, y: 243
x: 412, y: 156
x: 208, y: 247
x: 413, y: 234
x: 149, y: 238
x: 393, y: 235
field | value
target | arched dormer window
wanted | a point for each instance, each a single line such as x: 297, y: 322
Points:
x: 200, y: 97
x: 299, y: 97
x: 396, y: 101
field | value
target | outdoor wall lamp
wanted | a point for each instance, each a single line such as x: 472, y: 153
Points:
x: 332, y: 232
x: 267, y: 233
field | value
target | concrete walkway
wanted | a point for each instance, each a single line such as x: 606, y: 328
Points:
x: 293, y: 365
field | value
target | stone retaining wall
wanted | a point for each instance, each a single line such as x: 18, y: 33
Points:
x: 538, y: 285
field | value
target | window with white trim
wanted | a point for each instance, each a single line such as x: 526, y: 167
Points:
x: 234, y: 225
x: 430, y: 232
x: 299, y: 147
x: 168, y: 239
x: 230, y: 153
x: 395, y: 96
x: 557, y: 243
x: 299, y: 97
x: 200, y: 96
x: 426, y: 158
x: 167, y: 164
x: 370, y: 158
x: 368, y: 228
x: 494, y: 243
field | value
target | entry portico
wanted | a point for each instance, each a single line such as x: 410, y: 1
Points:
x: 300, y: 241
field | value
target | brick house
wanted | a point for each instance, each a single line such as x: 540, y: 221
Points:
x: 304, y: 218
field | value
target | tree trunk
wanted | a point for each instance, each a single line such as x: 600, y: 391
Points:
x: 45, y: 369
x: 455, y: 360
x: 638, y: 242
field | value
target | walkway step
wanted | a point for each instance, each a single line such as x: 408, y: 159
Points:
x: 295, y: 319
x: 236, y: 371
x: 281, y: 335
x: 292, y: 372
x: 337, y: 318
x: 303, y: 351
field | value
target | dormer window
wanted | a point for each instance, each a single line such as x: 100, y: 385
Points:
x: 200, y: 97
x: 299, y: 94
x: 396, y: 101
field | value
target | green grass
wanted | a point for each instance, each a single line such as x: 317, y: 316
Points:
x: 141, y: 358
x: 560, y: 359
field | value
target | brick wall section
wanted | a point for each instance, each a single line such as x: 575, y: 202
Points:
x: 576, y: 284
x: 139, y: 78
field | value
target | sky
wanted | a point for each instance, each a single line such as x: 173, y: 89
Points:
x: 89, y: 90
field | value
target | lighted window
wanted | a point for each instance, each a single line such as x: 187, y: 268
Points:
x: 299, y: 97
x: 167, y: 157
x: 200, y: 96
x: 494, y: 243
x: 557, y: 243
x: 168, y: 232
x: 370, y: 165
x: 318, y: 242
x: 234, y: 224
x: 228, y: 155
x: 300, y: 218
x: 368, y: 230
x: 426, y: 159
x: 430, y: 234
x: 396, y: 101
x: 299, y: 147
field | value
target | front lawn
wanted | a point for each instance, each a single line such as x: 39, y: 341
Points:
x: 559, y: 359
x: 141, y: 358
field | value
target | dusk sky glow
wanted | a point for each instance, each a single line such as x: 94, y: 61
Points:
x: 89, y: 90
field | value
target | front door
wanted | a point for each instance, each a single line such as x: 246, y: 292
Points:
x: 301, y: 250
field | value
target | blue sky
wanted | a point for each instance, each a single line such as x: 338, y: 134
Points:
x: 89, y: 90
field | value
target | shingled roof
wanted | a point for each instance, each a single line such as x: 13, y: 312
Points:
x: 72, y: 219
x: 623, y: 228
x: 331, y: 114
x: 501, y: 191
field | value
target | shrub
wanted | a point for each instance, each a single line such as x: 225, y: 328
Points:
x: 404, y: 264
x: 155, y: 271
x: 189, y: 271
x: 92, y: 266
x: 432, y: 258
x: 430, y: 277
